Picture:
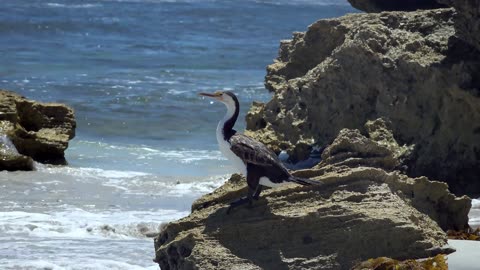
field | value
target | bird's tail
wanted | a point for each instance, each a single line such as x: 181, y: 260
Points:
x: 304, y: 181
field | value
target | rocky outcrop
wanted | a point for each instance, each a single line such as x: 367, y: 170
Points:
x: 404, y: 66
x: 38, y: 131
x: 467, y: 20
x: 359, y: 212
x: 394, y: 5
x: 359, y: 216
x: 351, y: 150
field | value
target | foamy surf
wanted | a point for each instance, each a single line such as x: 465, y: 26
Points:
x: 147, y: 159
x: 60, y: 5
x: 474, y: 215
x: 76, y: 223
x: 89, y: 218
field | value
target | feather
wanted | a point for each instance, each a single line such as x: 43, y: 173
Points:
x: 254, y: 152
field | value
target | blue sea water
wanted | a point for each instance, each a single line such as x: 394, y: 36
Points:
x: 132, y: 69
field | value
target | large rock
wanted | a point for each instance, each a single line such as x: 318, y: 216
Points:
x: 351, y: 150
x: 467, y: 20
x: 394, y: 5
x: 38, y: 131
x: 403, y: 66
x: 358, y: 214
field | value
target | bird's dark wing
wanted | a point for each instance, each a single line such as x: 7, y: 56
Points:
x: 252, y: 151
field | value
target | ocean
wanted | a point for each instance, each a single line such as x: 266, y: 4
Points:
x: 145, y: 147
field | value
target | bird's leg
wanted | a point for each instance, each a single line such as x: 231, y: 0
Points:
x: 257, y: 192
x: 241, y: 201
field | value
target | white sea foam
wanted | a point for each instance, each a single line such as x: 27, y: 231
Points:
x: 86, y: 173
x: 147, y: 152
x: 6, y: 145
x: 172, y: 187
x: 474, y: 215
x: 476, y: 203
x: 53, y: 179
x: 76, y: 223
x: 59, y: 5
x: 72, y: 264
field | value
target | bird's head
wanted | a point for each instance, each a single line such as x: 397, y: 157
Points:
x: 226, y: 97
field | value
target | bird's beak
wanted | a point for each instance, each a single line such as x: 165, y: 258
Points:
x: 216, y: 95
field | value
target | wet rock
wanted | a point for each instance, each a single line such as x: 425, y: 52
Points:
x: 358, y: 214
x: 10, y: 159
x: 394, y: 5
x: 467, y: 20
x: 38, y: 131
x: 405, y: 67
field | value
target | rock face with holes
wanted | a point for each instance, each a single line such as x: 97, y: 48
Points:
x: 467, y: 20
x: 407, y: 67
x: 32, y: 130
x: 394, y: 5
x: 361, y: 211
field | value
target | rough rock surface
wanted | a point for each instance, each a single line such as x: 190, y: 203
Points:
x: 353, y: 149
x: 467, y: 20
x: 403, y: 66
x: 359, y: 216
x: 39, y: 131
x: 394, y: 5
x: 358, y: 213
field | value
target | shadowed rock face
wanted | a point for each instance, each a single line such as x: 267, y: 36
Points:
x: 394, y: 5
x: 467, y: 20
x: 404, y: 66
x: 39, y: 131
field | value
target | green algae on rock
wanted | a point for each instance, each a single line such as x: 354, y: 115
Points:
x: 39, y: 131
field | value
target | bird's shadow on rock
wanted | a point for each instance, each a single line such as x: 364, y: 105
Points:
x: 266, y: 239
x: 241, y: 233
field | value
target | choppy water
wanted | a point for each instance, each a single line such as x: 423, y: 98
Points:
x: 145, y: 145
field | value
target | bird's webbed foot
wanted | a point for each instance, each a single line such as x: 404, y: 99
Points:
x: 256, y: 194
x: 239, y: 202
x: 252, y: 195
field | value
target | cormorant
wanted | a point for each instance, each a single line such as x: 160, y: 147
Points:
x: 260, y: 165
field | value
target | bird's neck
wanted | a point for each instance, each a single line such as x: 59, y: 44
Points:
x: 225, y: 126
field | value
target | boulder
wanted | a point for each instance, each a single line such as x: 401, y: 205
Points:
x: 33, y: 130
x: 358, y: 214
x: 406, y: 67
x: 394, y: 5
x: 467, y: 20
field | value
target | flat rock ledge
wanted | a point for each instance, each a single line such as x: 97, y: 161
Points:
x: 394, y: 5
x: 31, y: 130
x: 359, y: 212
